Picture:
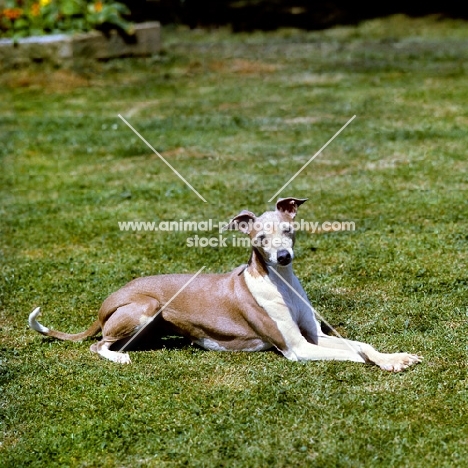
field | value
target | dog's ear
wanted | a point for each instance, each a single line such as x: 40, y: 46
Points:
x: 289, y: 205
x: 243, y: 222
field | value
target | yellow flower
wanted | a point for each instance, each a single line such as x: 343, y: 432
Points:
x: 98, y: 7
x: 44, y: 3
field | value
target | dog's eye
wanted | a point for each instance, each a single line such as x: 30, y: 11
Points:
x: 259, y: 240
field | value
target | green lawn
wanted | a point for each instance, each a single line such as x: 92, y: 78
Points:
x: 237, y: 116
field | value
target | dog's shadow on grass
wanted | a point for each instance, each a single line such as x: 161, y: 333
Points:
x: 157, y: 335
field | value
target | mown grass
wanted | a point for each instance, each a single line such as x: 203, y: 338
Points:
x: 237, y: 116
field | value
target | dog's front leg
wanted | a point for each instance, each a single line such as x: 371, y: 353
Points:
x: 305, y: 351
x: 394, y: 362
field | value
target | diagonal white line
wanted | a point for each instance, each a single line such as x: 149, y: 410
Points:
x: 313, y: 310
x: 313, y: 157
x: 162, y: 308
x: 162, y: 159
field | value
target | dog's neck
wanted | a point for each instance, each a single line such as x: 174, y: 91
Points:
x: 258, y: 267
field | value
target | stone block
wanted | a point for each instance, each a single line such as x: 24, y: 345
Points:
x: 63, y: 49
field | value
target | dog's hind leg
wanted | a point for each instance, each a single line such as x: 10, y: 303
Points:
x: 102, y: 348
x: 123, y: 324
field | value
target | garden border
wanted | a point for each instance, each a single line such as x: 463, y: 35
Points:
x: 63, y: 49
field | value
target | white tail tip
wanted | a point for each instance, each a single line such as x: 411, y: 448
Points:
x: 34, y: 324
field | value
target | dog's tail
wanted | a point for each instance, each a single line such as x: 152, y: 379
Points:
x: 35, y: 325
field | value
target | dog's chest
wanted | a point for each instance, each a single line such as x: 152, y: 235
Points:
x: 275, y: 296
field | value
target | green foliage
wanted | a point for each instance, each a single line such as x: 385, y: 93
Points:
x: 28, y: 18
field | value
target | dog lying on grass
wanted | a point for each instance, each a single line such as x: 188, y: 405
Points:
x: 257, y: 306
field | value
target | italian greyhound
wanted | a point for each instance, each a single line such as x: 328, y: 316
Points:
x: 255, y: 307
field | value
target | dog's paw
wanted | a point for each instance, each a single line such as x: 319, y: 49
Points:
x: 123, y: 358
x: 398, y: 362
x: 119, y: 358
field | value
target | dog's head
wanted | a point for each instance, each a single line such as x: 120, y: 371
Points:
x: 272, y: 234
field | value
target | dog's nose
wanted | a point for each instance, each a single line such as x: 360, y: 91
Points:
x: 284, y: 257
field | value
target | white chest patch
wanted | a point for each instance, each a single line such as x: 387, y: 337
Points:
x: 282, y: 305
